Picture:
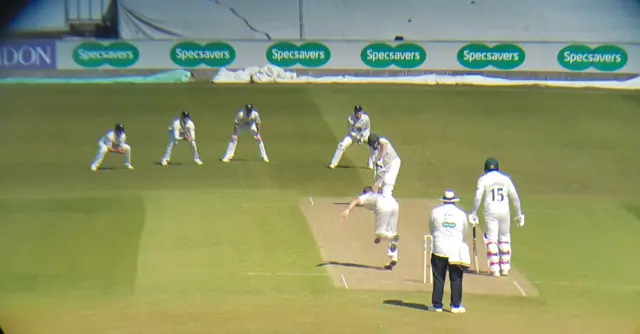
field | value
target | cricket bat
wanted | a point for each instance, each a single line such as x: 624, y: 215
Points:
x: 475, y: 251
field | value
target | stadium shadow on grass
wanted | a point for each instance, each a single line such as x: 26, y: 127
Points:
x: 401, y: 303
x: 61, y: 245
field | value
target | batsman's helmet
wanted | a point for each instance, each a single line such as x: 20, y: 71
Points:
x: 357, y: 108
x: 248, y: 107
x: 491, y: 164
x: 185, y: 114
x: 373, y: 140
x: 119, y: 128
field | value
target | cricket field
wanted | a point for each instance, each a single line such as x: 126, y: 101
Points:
x: 250, y: 247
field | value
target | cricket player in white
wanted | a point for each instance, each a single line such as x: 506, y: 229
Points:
x: 182, y: 128
x: 386, y: 211
x: 498, y: 188
x: 113, y: 141
x: 246, y: 120
x: 450, y: 252
x: 359, y: 125
x: 387, y: 164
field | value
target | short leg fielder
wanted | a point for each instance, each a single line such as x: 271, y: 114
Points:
x: 104, y: 149
x: 231, y: 149
x: 174, y: 141
x: 498, y: 242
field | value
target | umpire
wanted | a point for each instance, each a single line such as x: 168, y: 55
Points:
x: 449, y: 252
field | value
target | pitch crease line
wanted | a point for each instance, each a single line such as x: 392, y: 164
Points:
x: 344, y: 280
x: 520, y: 288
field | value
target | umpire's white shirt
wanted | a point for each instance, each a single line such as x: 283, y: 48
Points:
x: 448, y: 228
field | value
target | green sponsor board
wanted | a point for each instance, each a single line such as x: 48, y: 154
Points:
x: 605, y: 58
x: 477, y: 56
x: 382, y: 55
x: 287, y: 54
x: 192, y: 54
x: 94, y: 54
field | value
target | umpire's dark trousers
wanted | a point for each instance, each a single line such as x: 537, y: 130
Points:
x: 440, y: 265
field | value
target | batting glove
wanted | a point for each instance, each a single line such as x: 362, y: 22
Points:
x: 520, y: 221
x: 473, y: 220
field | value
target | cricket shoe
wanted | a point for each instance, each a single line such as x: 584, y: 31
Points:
x: 225, y: 159
x: 198, y: 162
x: 435, y: 309
x: 495, y: 273
x: 504, y: 272
x: 332, y: 166
x: 128, y: 166
x: 94, y: 168
x: 265, y: 159
x: 370, y: 166
x: 164, y: 163
x: 458, y: 310
x: 391, y: 265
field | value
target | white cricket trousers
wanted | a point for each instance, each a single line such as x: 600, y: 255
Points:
x: 386, y: 180
x: 387, y: 224
x: 174, y: 141
x: 498, y: 241
x: 103, y: 150
x: 231, y: 148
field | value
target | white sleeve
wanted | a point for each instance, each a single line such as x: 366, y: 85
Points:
x: 191, y: 130
x: 257, y: 118
x: 478, y: 198
x: 432, y: 224
x: 123, y: 138
x: 238, y: 118
x: 367, y: 128
x: 513, y: 194
x: 176, y: 131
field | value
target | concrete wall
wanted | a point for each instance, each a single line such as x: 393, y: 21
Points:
x: 485, y: 20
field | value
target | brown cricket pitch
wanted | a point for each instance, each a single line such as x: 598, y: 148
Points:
x: 355, y: 262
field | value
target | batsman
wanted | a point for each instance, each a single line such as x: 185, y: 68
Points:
x: 499, y: 188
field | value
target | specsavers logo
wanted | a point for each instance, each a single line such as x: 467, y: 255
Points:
x: 382, y: 55
x: 93, y: 54
x: 287, y: 54
x: 501, y: 56
x: 606, y: 58
x: 191, y: 54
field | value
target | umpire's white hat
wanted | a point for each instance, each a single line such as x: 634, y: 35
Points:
x: 449, y: 196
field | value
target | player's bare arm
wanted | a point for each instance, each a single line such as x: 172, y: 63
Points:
x: 352, y: 205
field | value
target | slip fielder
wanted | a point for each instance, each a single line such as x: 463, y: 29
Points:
x: 246, y: 120
x: 498, y: 188
x: 182, y: 128
x: 386, y: 210
x: 113, y: 141
x: 387, y: 164
x: 359, y: 128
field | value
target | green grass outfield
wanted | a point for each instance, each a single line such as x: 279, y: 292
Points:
x: 168, y: 250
